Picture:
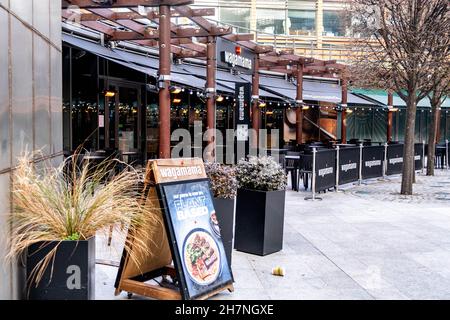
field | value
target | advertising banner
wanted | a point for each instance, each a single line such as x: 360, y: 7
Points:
x: 394, y: 159
x: 325, y: 169
x: 348, y: 165
x: 373, y: 157
x: 418, y: 156
x: 198, y: 249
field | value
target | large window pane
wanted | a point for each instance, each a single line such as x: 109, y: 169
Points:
x: 84, y: 99
x: 270, y: 21
x: 333, y: 23
x: 301, y: 22
x: 236, y: 16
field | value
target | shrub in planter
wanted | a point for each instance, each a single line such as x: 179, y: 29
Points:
x: 57, y: 213
x: 260, y: 206
x: 224, y: 188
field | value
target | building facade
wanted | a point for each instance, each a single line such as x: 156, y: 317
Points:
x: 30, y: 100
x: 315, y: 28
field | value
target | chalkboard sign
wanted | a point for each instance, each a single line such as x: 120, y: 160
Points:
x: 198, y: 249
x: 187, y: 247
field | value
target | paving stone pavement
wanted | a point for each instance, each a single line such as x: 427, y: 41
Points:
x: 367, y: 242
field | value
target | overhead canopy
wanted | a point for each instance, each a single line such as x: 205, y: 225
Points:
x: 382, y: 97
x: 144, y: 64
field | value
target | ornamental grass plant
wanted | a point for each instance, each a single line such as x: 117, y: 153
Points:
x: 73, y: 202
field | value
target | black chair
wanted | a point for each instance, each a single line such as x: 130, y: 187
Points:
x: 292, y: 167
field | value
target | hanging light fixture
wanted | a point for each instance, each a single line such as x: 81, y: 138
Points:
x: 219, y: 98
x: 109, y: 93
x: 175, y: 89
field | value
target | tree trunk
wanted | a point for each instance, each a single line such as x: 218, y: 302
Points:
x: 432, y: 137
x: 408, y: 153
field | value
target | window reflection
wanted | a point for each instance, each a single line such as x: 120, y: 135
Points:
x: 302, y: 22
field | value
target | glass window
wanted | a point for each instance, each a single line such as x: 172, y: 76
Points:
x: 333, y: 23
x: 270, y: 21
x: 236, y: 16
x: 301, y: 22
x: 84, y: 99
x: 66, y: 99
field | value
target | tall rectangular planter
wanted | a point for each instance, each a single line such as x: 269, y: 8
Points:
x: 73, y: 271
x: 225, y: 215
x: 259, y: 221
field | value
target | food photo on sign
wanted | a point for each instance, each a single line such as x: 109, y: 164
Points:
x: 199, y: 248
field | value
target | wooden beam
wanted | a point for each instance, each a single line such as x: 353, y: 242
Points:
x: 194, y: 13
x: 239, y: 37
x: 108, y: 15
x: 196, y: 32
x: 86, y: 4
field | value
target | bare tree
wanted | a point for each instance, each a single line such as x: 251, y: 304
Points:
x: 401, y: 43
x: 441, y: 80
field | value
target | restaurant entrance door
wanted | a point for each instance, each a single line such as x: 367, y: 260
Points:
x: 125, y: 118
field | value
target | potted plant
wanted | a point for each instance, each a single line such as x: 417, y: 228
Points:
x: 57, y: 213
x: 224, y: 188
x: 260, y: 206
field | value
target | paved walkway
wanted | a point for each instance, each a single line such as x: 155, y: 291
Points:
x: 366, y: 242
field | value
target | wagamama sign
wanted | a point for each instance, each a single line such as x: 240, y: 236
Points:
x: 236, y: 60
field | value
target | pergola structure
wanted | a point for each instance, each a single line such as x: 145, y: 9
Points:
x: 148, y: 23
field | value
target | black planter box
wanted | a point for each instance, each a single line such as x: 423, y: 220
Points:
x: 73, y: 271
x: 225, y: 216
x: 259, y: 221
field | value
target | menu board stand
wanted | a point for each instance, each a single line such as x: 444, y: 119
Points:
x: 169, y: 244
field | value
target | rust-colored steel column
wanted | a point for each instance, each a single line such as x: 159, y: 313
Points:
x: 390, y: 117
x: 299, y: 104
x: 344, y: 110
x: 211, y: 96
x: 255, y: 101
x: 164, y: 81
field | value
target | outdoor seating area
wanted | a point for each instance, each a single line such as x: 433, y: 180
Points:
x: 298, y: 161
x: 191, y: 150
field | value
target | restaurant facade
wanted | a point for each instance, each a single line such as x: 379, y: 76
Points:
x: 110, y: 100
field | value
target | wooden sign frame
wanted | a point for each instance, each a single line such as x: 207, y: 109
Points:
x: 133, y: 279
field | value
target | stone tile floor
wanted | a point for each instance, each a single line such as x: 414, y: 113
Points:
x: 366, y: 242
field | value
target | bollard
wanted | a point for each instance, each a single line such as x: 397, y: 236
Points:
x: 385, y: 161
x: 313, y: 182
x: 337, y: 169
x: 360, y: 163
x: 423, y: 156
x: 446, y: 154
